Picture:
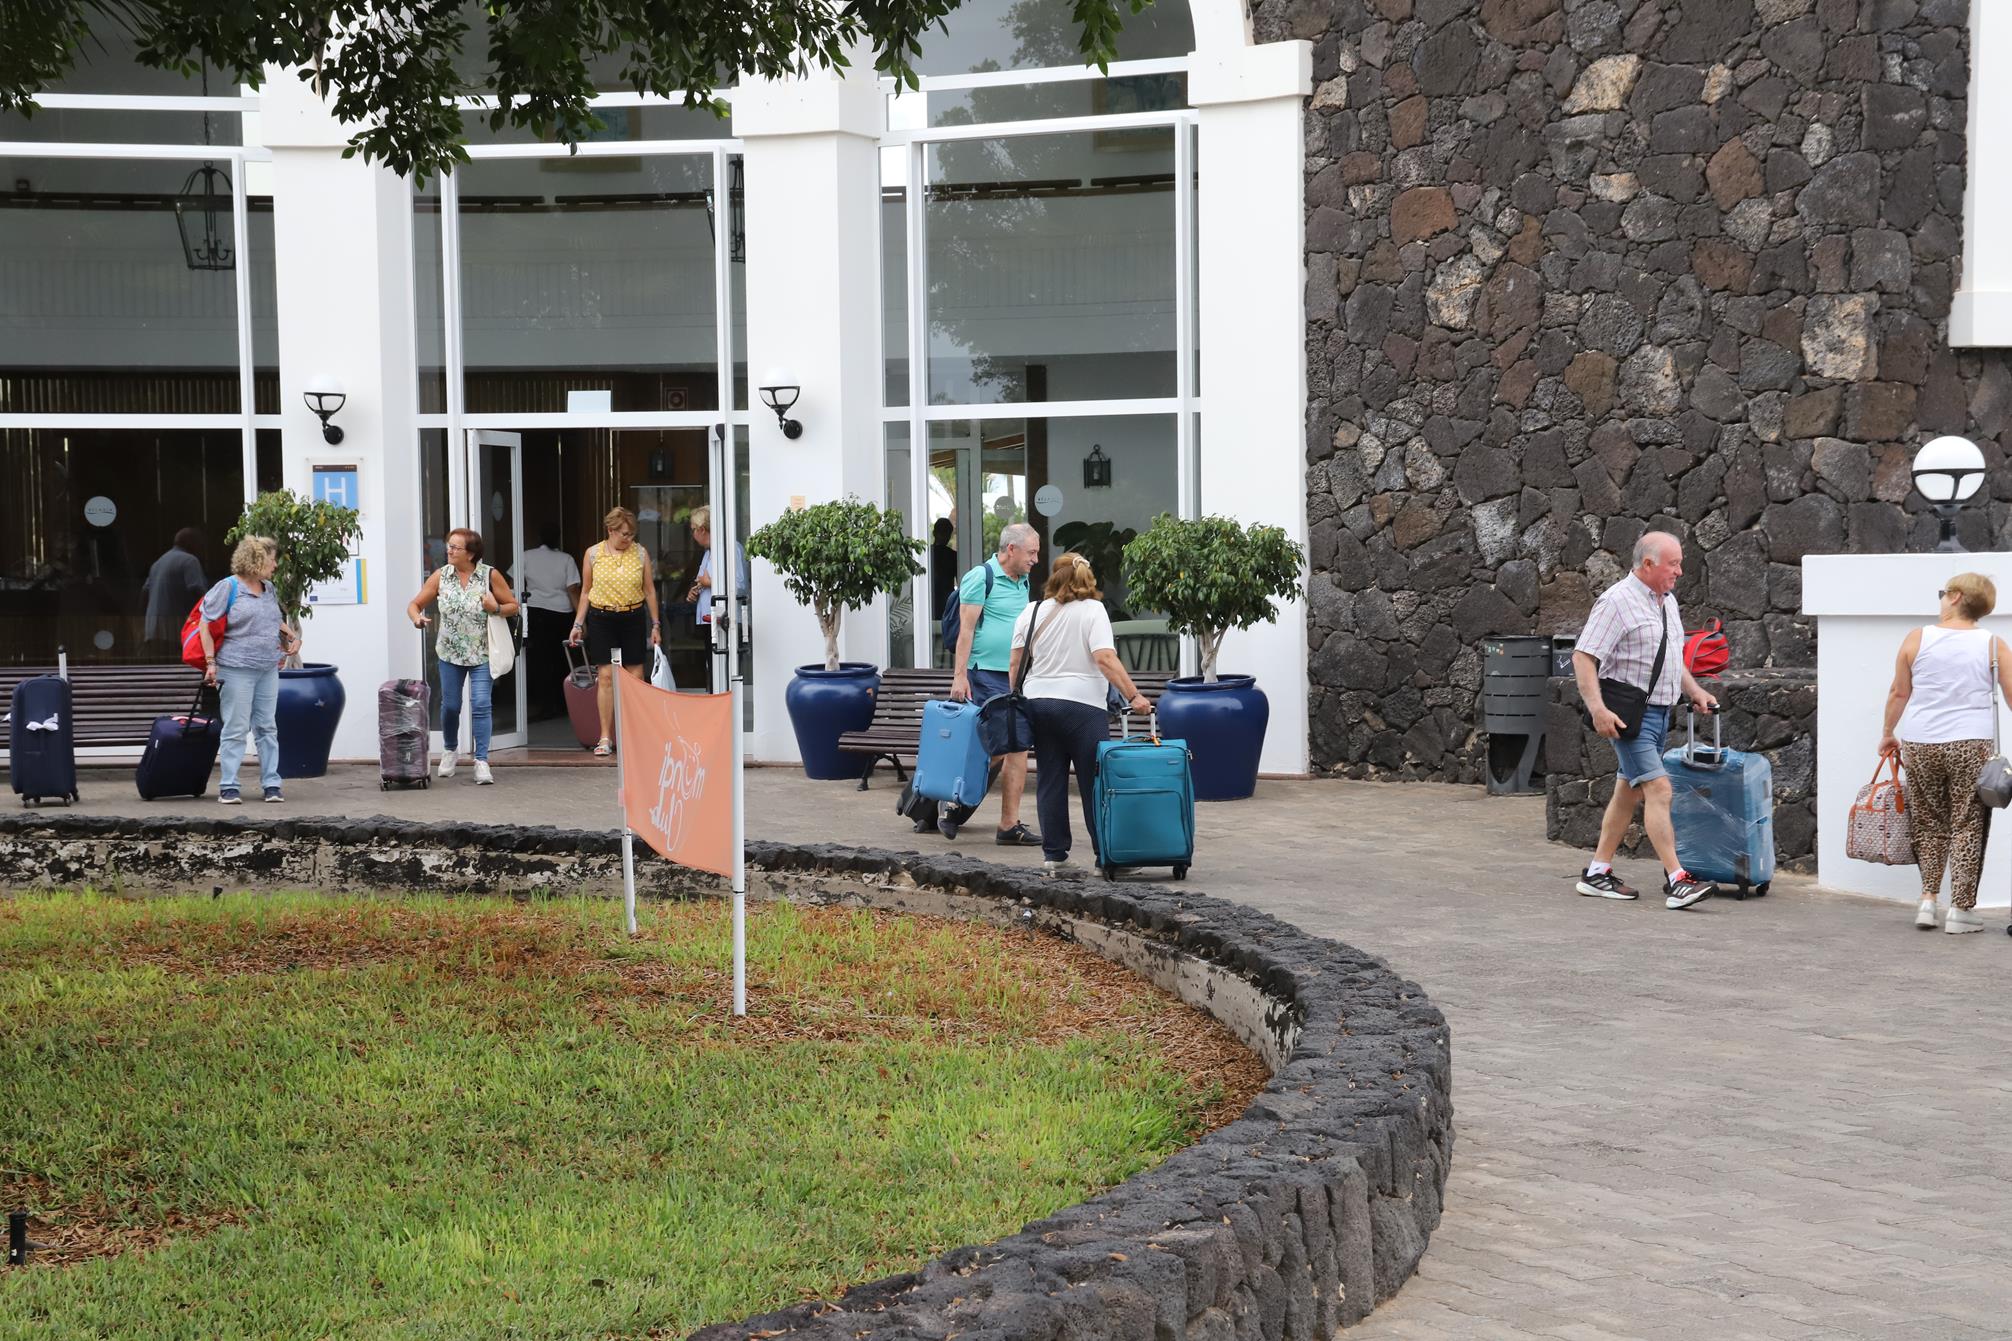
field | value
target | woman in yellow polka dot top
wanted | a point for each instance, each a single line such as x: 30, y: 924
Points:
x: 618, y: 586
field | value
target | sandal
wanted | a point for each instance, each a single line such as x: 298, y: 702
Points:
x: 605, y: 748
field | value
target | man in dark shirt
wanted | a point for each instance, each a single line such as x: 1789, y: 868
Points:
x: 172, y: 586
x: 943, y: 572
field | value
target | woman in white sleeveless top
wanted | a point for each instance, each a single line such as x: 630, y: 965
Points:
x: 1938, y: 721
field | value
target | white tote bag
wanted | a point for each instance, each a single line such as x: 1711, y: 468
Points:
x: 502, y: 648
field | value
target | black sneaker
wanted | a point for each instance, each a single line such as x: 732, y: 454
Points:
x: 1606, y: 885
x: 1687, y: 891
x: 1017, y: 836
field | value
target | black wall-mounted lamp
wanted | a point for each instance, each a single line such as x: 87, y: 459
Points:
x: 779, y: 393
x: 1948, y: 471
x: 324, y: 395
x: 1096, y: 469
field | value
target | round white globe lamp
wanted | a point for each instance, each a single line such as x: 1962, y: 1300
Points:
x: 1948, y: 471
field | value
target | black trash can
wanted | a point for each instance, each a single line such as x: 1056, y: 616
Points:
x: 1516, y: 671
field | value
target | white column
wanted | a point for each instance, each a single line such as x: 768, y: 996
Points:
x: 813, y: 308
x: 1981, y: 313
x: 1250, y: 253
x: 342, y: 240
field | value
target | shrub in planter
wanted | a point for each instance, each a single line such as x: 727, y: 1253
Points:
x: 834, y: 557
x: 314, y: 540
x: 1209, y: 576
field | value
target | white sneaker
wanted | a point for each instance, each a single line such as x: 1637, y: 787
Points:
x: 1058, y: 869
x: 447, y: 762
x: 482, y: 778
x: 1959, y: 920
x: 1924, y: 916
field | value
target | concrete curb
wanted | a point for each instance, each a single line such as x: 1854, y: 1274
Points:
x: 1287, y: 1224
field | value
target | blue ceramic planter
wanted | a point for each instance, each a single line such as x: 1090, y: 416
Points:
x: 825, y: 704
x: 1223, y: 724
x: 309, y: 709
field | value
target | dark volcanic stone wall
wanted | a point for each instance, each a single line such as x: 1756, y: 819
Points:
x: 1575, y: 266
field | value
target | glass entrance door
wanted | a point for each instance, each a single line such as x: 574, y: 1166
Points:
x: 494, y: 509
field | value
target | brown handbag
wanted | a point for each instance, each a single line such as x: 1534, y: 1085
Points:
x: 1878, y: 828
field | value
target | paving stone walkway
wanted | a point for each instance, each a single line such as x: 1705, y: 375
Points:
x: 1766, y: 1119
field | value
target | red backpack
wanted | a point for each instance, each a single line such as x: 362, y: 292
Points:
x: 1706, y: 652
x: 192, y: 642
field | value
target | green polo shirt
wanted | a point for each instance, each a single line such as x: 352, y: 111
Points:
x: 992, y: 640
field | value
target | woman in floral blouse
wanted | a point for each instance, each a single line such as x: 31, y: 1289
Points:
x: 468, y: 592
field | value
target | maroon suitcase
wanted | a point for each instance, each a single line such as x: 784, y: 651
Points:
x: 583, y: 698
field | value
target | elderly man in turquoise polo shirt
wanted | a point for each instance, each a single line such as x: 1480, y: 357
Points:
x: 990, y: 599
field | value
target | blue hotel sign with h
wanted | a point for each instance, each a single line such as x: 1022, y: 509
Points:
x: 337, y: 485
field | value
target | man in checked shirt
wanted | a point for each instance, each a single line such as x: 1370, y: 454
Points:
x: 1632, y: 626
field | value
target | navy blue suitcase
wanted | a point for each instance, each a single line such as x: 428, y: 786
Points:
x: 1143, y: 803
x: 41, y: 741
x: 1722, y: 807
x: 950, y: 760
x: 181, y: 751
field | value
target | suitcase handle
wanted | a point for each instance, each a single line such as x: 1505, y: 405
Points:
x: 1152, y: 725
x: 195, y: 709
x: 1693, y: 755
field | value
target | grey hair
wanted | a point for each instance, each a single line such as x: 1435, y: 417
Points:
x: 1647, y: 549
x: 1018, y: 533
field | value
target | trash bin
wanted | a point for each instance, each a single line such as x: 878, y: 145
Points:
x: 1561, y: 653
x: 1515, y: 686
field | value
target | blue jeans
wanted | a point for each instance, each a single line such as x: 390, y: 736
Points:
x: 1066, y: 735
x: 1641, y: 759
x: 249, y: 699
x: 452, y: 677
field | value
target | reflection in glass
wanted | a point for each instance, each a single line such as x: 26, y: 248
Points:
x: 429, y: 324
x: 1095, y: 96
x: 1051, y: 267
x: 86, y: 516
x: 587, y: 284
x: 99, y: 311
x: 894, y: 291
x: 258, y: 256
x: 1026, y: 34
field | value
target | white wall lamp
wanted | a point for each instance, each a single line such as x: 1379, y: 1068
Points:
x: 779, y: 392
x: 324, y: 395
x: 1947, y: 472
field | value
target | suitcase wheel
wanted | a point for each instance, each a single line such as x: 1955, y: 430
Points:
x: 383, y: 786
x: 1741, y: 893
x: 1760, y: 890
x: 1111, y: 873
x: 1180, y: 872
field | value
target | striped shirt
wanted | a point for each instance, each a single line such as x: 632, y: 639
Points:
x: 1622, y: 632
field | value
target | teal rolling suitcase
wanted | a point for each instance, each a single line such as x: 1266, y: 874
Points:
x: 1143, y: 803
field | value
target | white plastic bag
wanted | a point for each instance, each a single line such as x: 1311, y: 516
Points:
x: 660, y: 670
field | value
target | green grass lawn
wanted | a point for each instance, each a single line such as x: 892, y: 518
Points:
x: 299, y: 1116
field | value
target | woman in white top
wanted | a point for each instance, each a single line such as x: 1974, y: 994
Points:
x: 1074, y: 659
x: 1939, y: 717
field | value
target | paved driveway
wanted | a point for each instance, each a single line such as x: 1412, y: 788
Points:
x: 1768, y: 1119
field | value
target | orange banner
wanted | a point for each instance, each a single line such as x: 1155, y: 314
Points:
x: 677, y: 773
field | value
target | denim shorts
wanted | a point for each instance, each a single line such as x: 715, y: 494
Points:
x: 987, y: 683
x: 1641, y: 759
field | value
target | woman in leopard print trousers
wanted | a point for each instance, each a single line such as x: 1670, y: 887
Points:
x: 1941, y: 717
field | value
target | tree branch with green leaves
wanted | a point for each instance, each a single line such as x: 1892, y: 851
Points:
x: 1211, y: 575
x: 393, y: 70
x: 837, y: 556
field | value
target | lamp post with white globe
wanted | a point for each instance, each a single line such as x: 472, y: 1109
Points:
x: 1947, y: 472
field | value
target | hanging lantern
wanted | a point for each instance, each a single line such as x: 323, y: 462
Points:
x: 1096, y: 469
x: 736, y: 212
x: 203, y: 214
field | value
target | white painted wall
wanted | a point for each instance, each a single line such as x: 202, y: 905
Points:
x: 1981, y: 313
x: 1864, y: 605
x: 813, y: 303
x: 1251, y: 258
x: 342, y: 238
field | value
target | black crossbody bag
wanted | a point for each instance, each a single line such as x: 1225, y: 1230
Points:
x: 1629, y: 703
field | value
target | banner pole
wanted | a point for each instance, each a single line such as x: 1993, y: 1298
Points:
x: 621, y: 801
x: 726, y: 542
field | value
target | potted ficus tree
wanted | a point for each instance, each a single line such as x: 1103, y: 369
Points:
x: 314, y: 540
x: 834, y: 557
x: 1209, y: 576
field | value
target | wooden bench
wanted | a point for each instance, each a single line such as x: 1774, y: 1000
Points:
x: 114, y: 706
x: 896, y: 730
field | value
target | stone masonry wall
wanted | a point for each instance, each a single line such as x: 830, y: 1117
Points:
x: 1579, y: 266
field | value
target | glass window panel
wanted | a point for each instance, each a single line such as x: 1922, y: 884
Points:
x: 737, y: 275
x: 105, y: 64
x: 81, y: 582
x: 1085, y: 97
x: 587, y: 283
x: 655, y: 122
x: 429, y: 326
x: 99, y: 309
x: 901, y: 604
x: 1027, y: 34
x: 265, y: 304
x: 894, y: 292
x: 1051, y: 267
x: 90, y: 125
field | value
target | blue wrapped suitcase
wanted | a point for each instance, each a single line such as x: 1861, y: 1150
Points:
x: 181, y: 750
x: 1722, y: 806
x: 1143, y: 803
x: 41, y: 741
x: 950, y: 760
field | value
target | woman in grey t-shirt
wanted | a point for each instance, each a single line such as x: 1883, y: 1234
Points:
x: 245, y: 665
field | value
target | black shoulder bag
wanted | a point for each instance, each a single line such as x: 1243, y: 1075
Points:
x: 1005, y: 722
x: 1626, y: 701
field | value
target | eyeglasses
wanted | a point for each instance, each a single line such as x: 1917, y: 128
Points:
x: 462, y: 549
x: 1941, y: 594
